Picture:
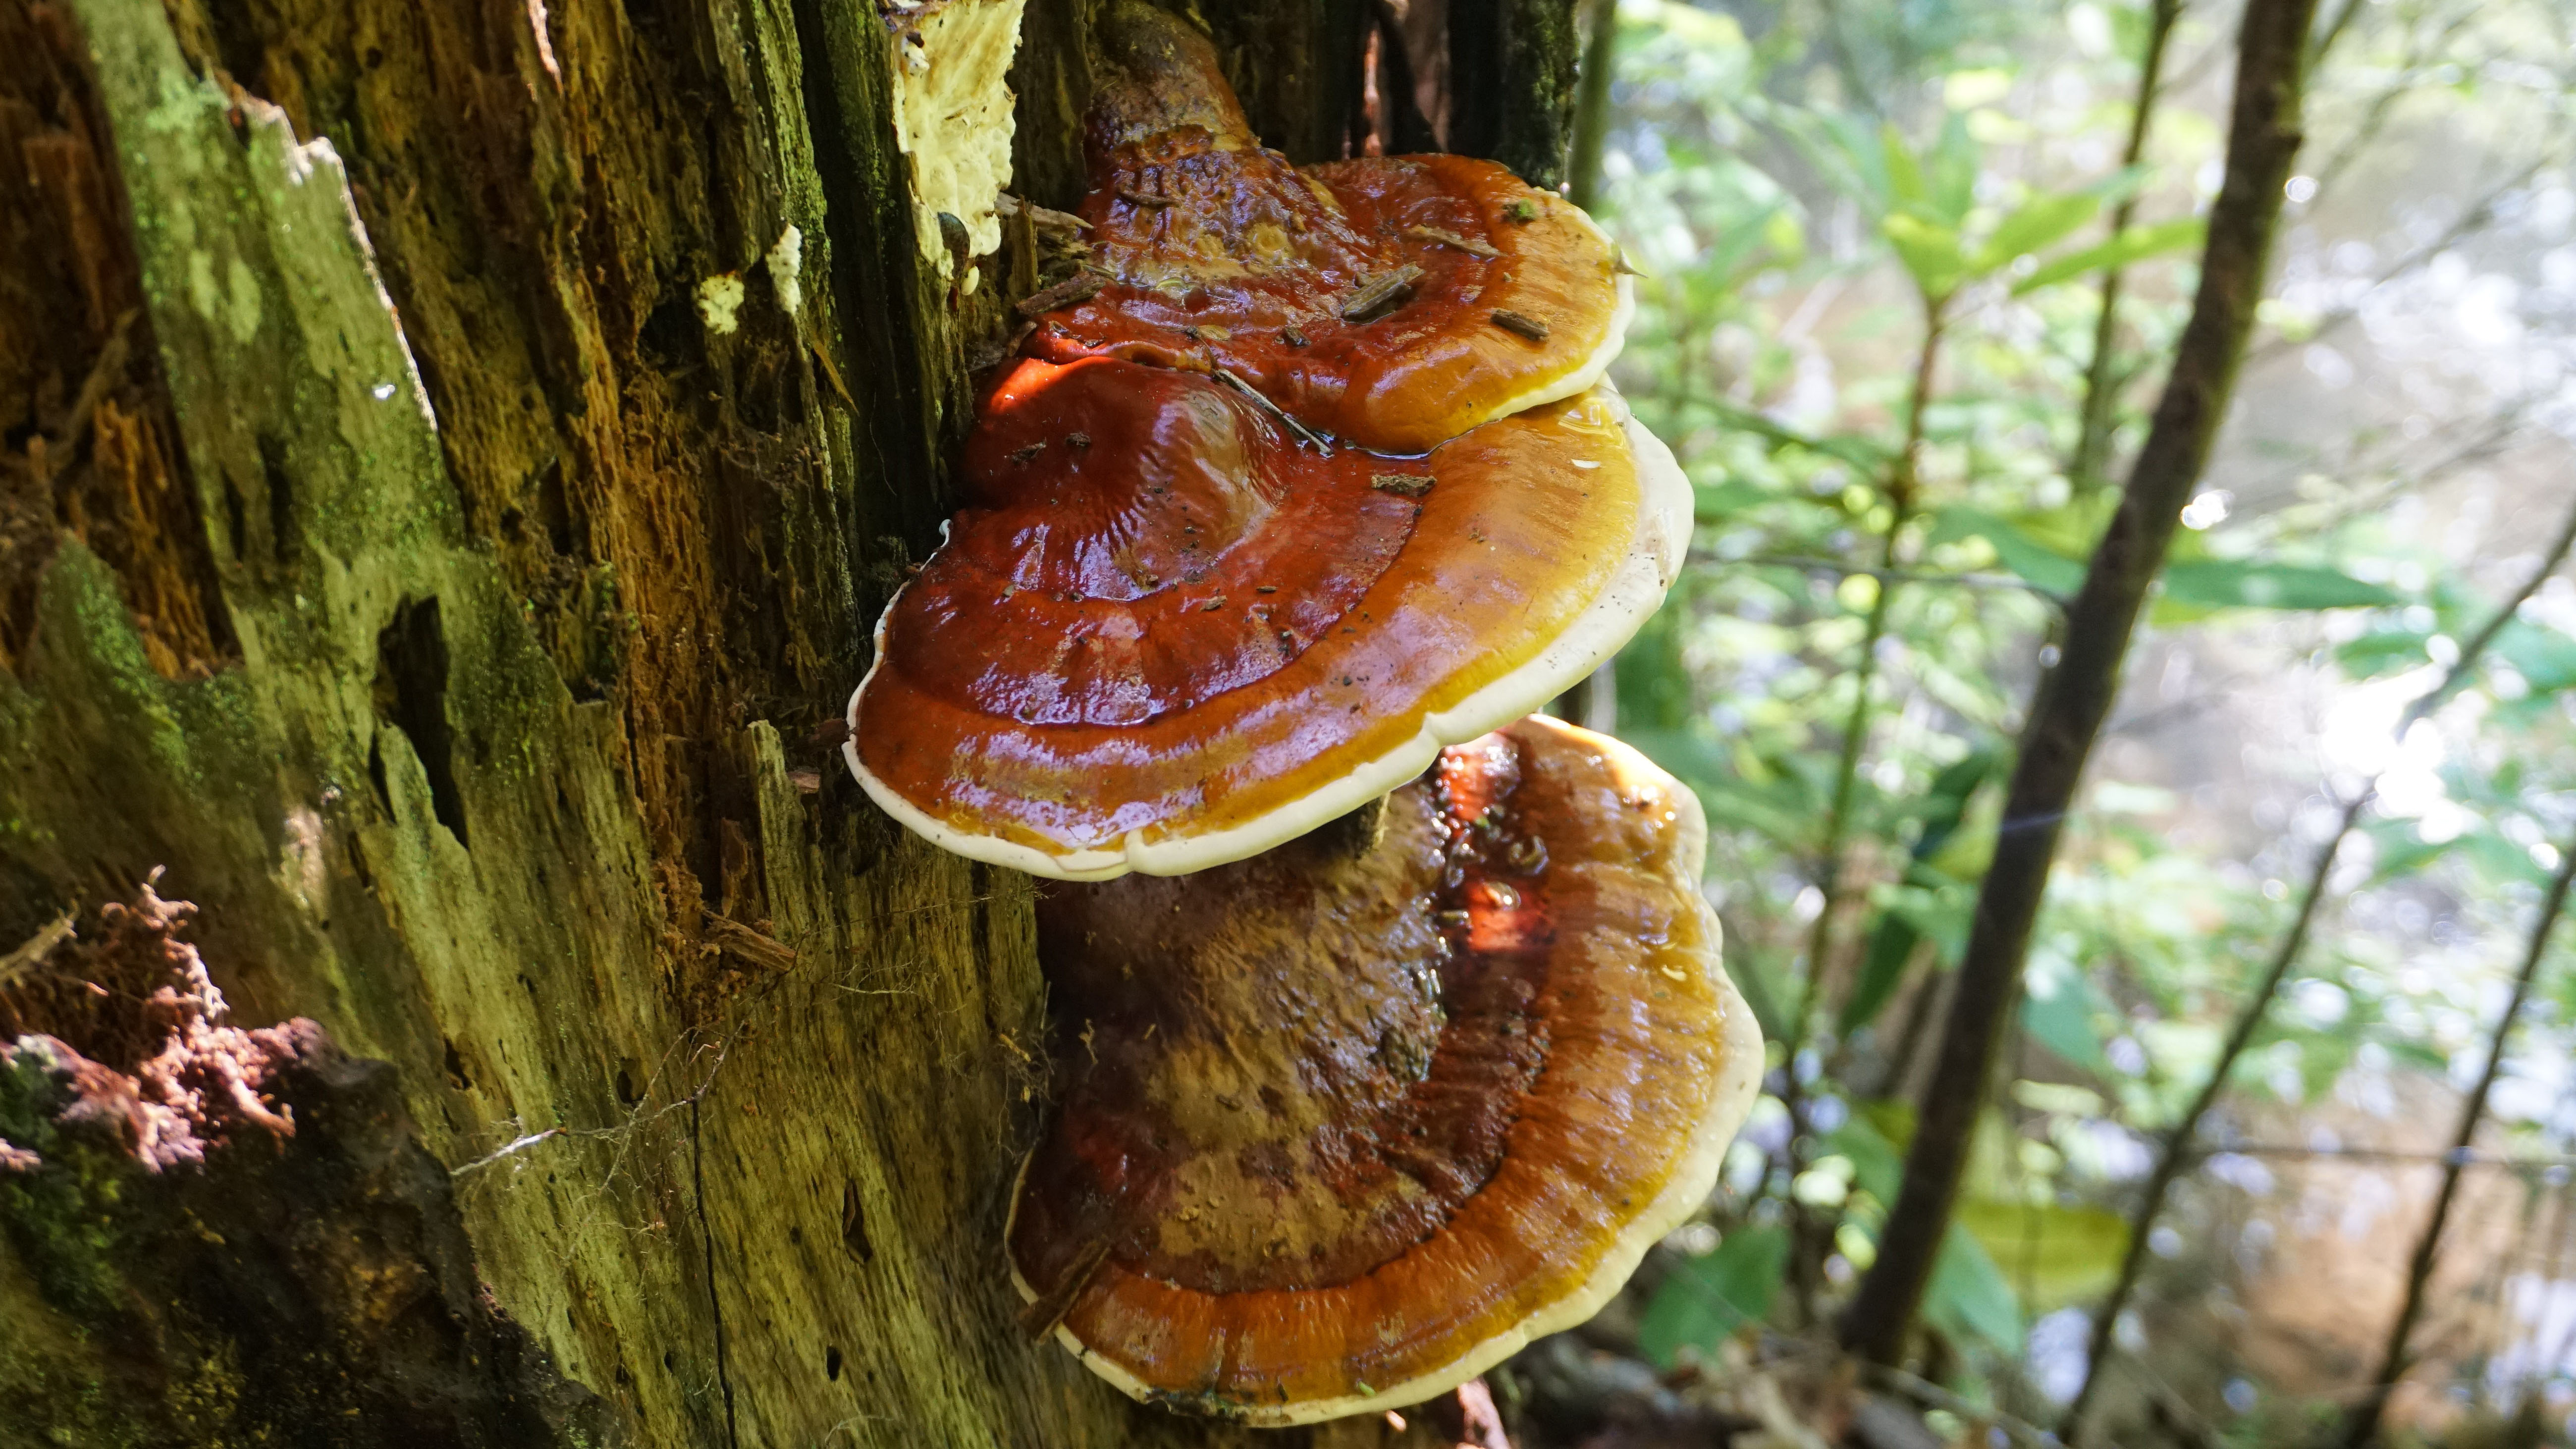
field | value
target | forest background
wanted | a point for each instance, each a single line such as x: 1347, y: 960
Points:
x: 1913, y: 276
x: 448, y: 601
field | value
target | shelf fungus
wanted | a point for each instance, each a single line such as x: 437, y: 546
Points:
x: 1346, y: 1124
x: 1193, y: 636
x: 1363, y: 296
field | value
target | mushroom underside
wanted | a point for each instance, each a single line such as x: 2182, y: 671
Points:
x: 1341, y: 1130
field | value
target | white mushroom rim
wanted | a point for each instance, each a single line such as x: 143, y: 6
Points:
x: 1635, y: 590
x: 1694, y: 1176
x: 1596, y: 366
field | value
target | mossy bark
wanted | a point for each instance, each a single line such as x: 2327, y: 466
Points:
x: 393, y: 549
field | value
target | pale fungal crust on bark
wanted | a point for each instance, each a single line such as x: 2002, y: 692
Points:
x: 953, y: 118
x: 1633, y: 589
x: 1643, y: 1063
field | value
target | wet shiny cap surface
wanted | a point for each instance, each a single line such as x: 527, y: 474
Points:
x: 1345, y: 1123
x: 1395, y: 302
x: 1164, y: 633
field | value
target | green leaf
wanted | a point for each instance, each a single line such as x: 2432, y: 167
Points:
x: 1929, y: 250
x: 1762, y: 990
x: 1754, y: 808
x: 1878, y: 1164
x: 2242, y: 584
x: 1707, y: 1299
x: 1784, y: 235
x: 2381, y: 651
x: 1969, y: 1296
x: 1904, y: 176
x: 2401, y: 852
x: 1893, y: 939
x: 1842, y: 150
x: 2134, y: 245
x: 1776, y: 810
x: 2545, y: 658
x: 1952, y: 174
x: 2122, y: 184
x: 2057, y: 1012
x: 1655, y: 686
x: 1940, y: 910
x: 2052, y: 1255
x: 1882, y: 970
x: 1716, y: 502
x: 2025, y: 556
x: 1859, y: 452
x: 1965, y: 854
x: 2498, y: 858
x: 1946, y: 802
x: 1889, y: 1117
x: 2040, y: 224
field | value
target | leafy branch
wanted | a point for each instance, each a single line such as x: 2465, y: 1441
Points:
x: 2361, y: 1423
x: 2101, y: 378
x: 2075, y: 696
x: 2175, y: 1155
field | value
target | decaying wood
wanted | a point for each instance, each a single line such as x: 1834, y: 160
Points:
x: 99, y: 461
x: 447, y: 599
x: 152, y: 1192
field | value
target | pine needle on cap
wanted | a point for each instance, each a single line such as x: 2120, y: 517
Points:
x: 1380, y: 295
x: 1229, y: 377
x: 1073, y: 291
x: 1469, y: 245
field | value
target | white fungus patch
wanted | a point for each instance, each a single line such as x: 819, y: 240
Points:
x: 719, y: 302
x: 786, y: 269
x: 952, y: 116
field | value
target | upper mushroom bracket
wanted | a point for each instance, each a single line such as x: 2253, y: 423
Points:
x: 1395, y: 302
x: 1342, y: 1129
x: 1164, y: 634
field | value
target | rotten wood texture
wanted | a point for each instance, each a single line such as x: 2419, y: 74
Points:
x: 1294, y: 66
x: 1501, y: 83
x: 1296, y: 69
x: 87, y: 443
x: 523, y: 583
x: 159, y: 1297
x: 2074, y: 696
x: 1493, y: 79
x: 1511, y: 78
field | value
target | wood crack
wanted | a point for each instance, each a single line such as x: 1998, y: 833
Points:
x: 715, y: 1291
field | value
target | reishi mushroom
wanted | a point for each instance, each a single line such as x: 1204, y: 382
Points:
x: 1163, y: 634
x: 1342, y: 1128
x: 1393, y: 301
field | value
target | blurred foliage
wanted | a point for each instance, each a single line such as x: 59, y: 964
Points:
x: 1830, y: 201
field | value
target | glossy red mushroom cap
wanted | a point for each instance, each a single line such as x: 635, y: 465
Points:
x: 1164, y: 633
x: 1341, y: 1129
x: 1396, y: 301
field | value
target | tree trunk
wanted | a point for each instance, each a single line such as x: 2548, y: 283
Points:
x: 454, y: 456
